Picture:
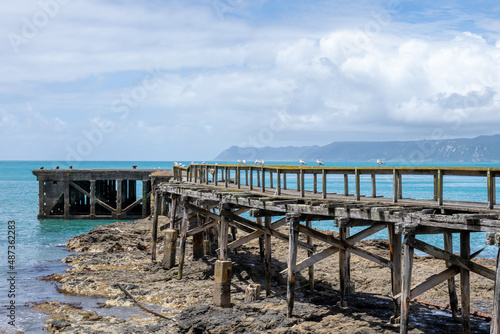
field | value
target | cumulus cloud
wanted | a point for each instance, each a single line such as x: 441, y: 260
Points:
x: 210, y: 77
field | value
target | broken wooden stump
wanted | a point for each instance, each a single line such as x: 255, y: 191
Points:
x: 252, y: 292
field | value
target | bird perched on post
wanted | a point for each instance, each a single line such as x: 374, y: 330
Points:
x: 302, y: 162
x: 319, y: 162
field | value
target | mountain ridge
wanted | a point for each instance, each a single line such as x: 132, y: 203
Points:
x: 479, y: 149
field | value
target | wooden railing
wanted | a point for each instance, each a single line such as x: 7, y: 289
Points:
x: 276, y: 177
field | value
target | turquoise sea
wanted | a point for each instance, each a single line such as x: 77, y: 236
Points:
x: 39, y: 244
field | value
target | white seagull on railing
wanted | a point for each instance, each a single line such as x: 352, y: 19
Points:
x: 380, y: 163
x: 302, y: 162
x: 319, y: 162
x: 260, y: 162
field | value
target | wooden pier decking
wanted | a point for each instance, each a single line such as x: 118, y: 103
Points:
x: 218, y: 196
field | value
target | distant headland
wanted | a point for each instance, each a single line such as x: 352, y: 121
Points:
x: 478, y: 149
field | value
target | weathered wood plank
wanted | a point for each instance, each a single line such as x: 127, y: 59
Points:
x: 452, y: 258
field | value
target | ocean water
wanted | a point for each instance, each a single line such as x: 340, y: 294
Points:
x: 39, y: 244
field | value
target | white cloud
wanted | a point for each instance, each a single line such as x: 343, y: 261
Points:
x: 333, y: 75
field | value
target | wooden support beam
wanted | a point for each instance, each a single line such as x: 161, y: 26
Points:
x: 92, y: 199
x: 263, y: 180
x: 374, y: 186
x: 315, y: 183
x: 66, y: 199
x: 452, y: 292
x: 284, y: 180
x: 267, y: 255
x: 344, y: 266
x: 294, y: 223
x: 173, y: 209
x: 145, y: 198
x: 346, y: 184
x: 491, y: 189
x: 395, y: 256
x: 460, y: 261
x: 434, y: 280
x: 201, y: 211
x: 251, y: 178
x: 119, y: 199
x: 271, y: 180
x: 309, y: 241
x: 249, y: 237
x: 154, y: 232
x: 278, y: 182
x: 406, y: 285
x: 83, y: 191
x: 465, y: 282
x: 439, y: 186
x: 395, y: 185
x: 257, y: 227
x: 302, y: 183
x: 202, y: 228
x: 261, y: 241
x: 182, y: 245
x: 334, y: 249
x: 224, y: 231
x: 345, y: 246
x: 323, y: 184
x: 495, y: 322
x: 357, y: 184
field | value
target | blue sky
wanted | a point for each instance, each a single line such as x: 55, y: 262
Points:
x: 184, y: 80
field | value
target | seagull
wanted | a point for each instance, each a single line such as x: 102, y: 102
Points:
x: 319, y: 162
x: 256, y: 162
x: 262, y: 162
x: 380, y: 163
x: 302, y: 162
x: 243, y: 161
x: 240, y: 162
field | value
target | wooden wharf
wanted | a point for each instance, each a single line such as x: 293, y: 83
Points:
x: 257, y: 200
x: 96, y: 193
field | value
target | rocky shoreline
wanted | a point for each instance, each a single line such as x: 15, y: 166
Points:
x: 119, y: 254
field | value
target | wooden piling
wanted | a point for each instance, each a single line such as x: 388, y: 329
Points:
x: 346, y: 184
x: 406, y: 286
x: 452, y: 291
x: 144, y: 198
x: 119, y: 198
x: 224, y: 230
x: 395, y: 185
x: 173, y: 209
x: 66, y: 200
x: 267, y: 243
x: 309, y: 241
x: 154, y: 232
x: 294, y: 222
x: 323, y: 184
x: 315, y: 183
x: 302, y: 183
x: 182, y: 245
x: 278, y: 182
x: 92, y: 198
x: 395, y: 257
x: 465, y: 282
x: 344, y: 267
x: 374, y: 186
x: 495, y: 322
x: 263, y: 180
x: 357, y: 184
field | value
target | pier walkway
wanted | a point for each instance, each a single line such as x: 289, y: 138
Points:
x: 259, y: 199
